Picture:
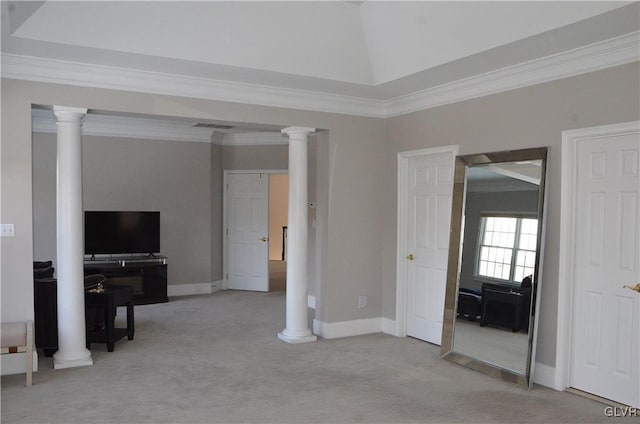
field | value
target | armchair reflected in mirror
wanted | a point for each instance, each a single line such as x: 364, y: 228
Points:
x: 493, y: 276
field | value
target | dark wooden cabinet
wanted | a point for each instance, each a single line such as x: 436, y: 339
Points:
x: 147, y: 277
x: 105, y: 304
x: 45, y: 300
x: 505, y: 306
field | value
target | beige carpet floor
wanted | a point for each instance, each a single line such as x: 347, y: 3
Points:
x: 497, y: 346
x: 216, y: 358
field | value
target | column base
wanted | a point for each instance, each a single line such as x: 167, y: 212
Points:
x: 82, y: 360
x: 285, y: 336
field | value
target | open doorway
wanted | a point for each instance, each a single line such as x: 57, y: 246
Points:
x: 278, y: 205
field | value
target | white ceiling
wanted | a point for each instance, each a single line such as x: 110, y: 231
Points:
x: 505, y: 176
x: 373, y: 50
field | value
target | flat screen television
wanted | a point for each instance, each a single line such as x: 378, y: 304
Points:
x: 114, y: 232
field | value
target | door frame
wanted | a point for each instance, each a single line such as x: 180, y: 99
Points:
x: 225, y: 235
x: 403, y: 195
x: 566, y: 275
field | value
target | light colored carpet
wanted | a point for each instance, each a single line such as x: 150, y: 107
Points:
x: 496, y: 346
x: 216, y: 358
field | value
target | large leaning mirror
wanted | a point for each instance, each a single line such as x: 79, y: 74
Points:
x: 493, y: 276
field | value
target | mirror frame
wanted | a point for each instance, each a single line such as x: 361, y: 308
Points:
x: 455, y: 260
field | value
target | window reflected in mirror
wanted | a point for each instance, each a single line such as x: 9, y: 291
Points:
x: 508, y: 247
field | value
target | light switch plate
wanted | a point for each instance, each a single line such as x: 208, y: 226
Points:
x: 7, y: 230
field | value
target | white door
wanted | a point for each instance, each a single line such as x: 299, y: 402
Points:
x: 248, y: 229
x: 430, y: 187
x: 606, y: 317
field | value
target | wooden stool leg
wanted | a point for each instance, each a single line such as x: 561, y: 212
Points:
x: 109, y: 320
x: 130, y: 320
x: 29, y: 353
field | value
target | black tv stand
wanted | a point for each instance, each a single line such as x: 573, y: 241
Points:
x: 147, y: 275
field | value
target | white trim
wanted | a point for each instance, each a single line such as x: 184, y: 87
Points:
x: 594, y: 57
x: 216, y: 286
x: 43, y: 121
x: 40, y: 69
x: 335, y: 330
x: 545, y: 375
x: 255, y: 171
x: 15, y: 363
x: 253, y: 139
x: 217, y: 138
x: 174, y: 290
x: 403, y: 168
x: 311, y: 301
x: 601, y: 55
x: 566, y: 277
x: 389, y: 326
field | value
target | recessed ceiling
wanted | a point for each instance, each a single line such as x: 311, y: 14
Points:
x: 371, y: 49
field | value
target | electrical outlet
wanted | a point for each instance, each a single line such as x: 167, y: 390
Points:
x: 362, y: 302
x: 7, y: 230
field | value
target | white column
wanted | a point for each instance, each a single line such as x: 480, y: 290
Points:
x: 297, y: 330
x: 72, y: 350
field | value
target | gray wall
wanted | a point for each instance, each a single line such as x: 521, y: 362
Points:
x: 44, y: 198
x: 349, y: 230
x: 133, y: 174
x: 477, y: 203
x: 357, y: 174
x: 275, y: 156
x: 528, y: 117
x: 216, y: 213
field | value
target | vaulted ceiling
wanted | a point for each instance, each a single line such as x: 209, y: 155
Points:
x: 371, y: 50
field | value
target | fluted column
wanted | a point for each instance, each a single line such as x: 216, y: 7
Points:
x: 72, y: 350
x: 297, y: 326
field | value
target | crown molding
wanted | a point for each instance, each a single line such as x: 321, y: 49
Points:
x: 594, y: 57
x: 44, y: 121
x: 217, y: 138
x: 253, y: 139
x: 40, y: 69
x: 126, y: 127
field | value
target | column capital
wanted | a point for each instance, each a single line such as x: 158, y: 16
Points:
x: 297, y: 132
x: 69, y: 114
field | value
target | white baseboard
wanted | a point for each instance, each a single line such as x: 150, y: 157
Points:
x: 334, y: 330
x: 311, y: 301
x: 545, y: 375
x: 174, y: 290
x: 389, y: 326
x: 16, y: 363
x: 217, y: 285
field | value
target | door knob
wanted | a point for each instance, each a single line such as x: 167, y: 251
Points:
x: 264, y: 239
x: 410, y: 257
x: 635, y: 288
